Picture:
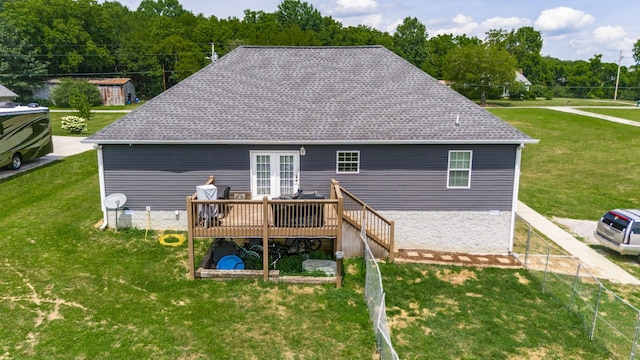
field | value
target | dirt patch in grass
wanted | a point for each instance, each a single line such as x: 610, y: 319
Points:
x: 521, y: 279
x: 407, y: 317
x: 455, y: 277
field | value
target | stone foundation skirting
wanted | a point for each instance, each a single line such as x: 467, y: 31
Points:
x: 471, y: 232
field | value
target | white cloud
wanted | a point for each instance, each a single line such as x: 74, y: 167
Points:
x: 359, y: 5
x: 506, y: 23
x: 563, y: 19
x: 391, y: 27
x: 374, y: 20
x: 464, y: 25
x: 608, y: 33
x: 462, y: 19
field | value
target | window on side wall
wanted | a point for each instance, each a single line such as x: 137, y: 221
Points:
x: 348, y: 162
x: 459, y: 169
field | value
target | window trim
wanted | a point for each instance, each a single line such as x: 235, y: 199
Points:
x: 338, y: 162
x: 449, y: 169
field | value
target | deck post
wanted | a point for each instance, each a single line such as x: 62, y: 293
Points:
x: 332, y: 190
x: 339, y: 243
x: 192, y: 274
x: 265, y: 238
x: 391, y: 240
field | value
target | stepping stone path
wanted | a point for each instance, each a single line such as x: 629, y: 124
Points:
x: 436, y: 257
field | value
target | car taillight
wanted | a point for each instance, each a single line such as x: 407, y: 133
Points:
x: 620, y: 216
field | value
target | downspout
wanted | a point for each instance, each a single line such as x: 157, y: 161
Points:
x: 105, y: 214
x: 514, y: 203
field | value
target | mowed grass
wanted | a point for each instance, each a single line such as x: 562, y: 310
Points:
x: 441, y: 312
x: 559, y: 102
x: 629, y: 114
x: 97, y: 122
x: 581, y: 167
x: 71, y: 291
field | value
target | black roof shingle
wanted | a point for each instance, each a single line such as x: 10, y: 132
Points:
x: 322, y: 95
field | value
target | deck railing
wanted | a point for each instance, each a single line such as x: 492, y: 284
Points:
x: 275, y: 218
x: 378, y: 228
x: 249, y: 218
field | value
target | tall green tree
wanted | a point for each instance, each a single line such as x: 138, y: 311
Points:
x: 439, y: 47
x: 297, y: 13
x: 21, y: 67
x: 168, y: 8
x: 480, y: 66
x: 410, y: 41
x: 525, y: 45
x: 636, y: 52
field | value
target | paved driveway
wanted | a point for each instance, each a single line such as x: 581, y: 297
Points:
x: 63, y: 146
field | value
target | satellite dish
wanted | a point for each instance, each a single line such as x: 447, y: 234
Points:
x: 114, y: 202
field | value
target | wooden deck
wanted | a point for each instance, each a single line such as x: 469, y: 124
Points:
x: 283, y: 218
x: 270, y: 219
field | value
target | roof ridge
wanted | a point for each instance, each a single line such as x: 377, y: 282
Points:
x: 310, y: 47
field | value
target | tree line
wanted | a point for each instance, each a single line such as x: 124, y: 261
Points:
x: 160, y: 43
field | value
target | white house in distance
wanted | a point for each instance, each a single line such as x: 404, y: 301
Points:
x: 7, y: 95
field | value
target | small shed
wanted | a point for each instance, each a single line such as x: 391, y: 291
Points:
x: 7, y: 95
x: 113, y: 91
x: 117, y: 91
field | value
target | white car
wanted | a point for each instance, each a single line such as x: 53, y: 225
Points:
x: 619, y: 230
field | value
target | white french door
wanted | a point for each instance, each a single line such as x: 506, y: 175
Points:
x: 274, y: 173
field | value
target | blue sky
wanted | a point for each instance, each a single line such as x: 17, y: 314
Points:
x: 571, y: 30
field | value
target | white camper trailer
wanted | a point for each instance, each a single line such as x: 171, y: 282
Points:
x: 25, y: 134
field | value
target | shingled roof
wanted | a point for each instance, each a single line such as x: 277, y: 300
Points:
x: 6, y: 93
x: 314, y: 95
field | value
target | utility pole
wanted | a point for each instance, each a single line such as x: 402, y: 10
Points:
x: 213, y: 56
x: 615, y: 93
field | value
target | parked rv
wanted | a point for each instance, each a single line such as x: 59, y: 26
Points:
x: 25, y: 134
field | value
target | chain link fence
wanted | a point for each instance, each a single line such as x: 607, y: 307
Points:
x: 374, y: 296
x: 605, y: 316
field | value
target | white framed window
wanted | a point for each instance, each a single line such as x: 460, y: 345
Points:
x: 459, y: 169
x: 348, y: 162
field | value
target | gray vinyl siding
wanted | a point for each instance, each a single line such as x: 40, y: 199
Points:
x: 414, y: 177
x: 162, y: 176
x: 392, y: 177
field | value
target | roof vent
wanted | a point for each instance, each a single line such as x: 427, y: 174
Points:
x: 457, y: 120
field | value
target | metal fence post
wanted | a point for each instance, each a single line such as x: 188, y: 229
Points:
x: 546, y: 265
x: 526, y: 252
x: 595, y: 314
x: 575, y: 286
x: 634, y: 347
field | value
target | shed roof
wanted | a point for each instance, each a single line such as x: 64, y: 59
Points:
x: 304, y: 95
x: 6, y: 93
x: 99, y: 82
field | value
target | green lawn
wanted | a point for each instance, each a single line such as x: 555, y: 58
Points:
x: 581, y: 167
x: 559, y: 102
x: 69, y: 290
x: 72, y: 291
x: 629, y: 114
x: 97, y: 122
x: 441, y: 312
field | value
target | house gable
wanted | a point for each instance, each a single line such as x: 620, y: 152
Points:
x: 320, y: 95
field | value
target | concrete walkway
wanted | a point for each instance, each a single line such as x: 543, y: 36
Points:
x: 572, y: 110
x: 604, y: 268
